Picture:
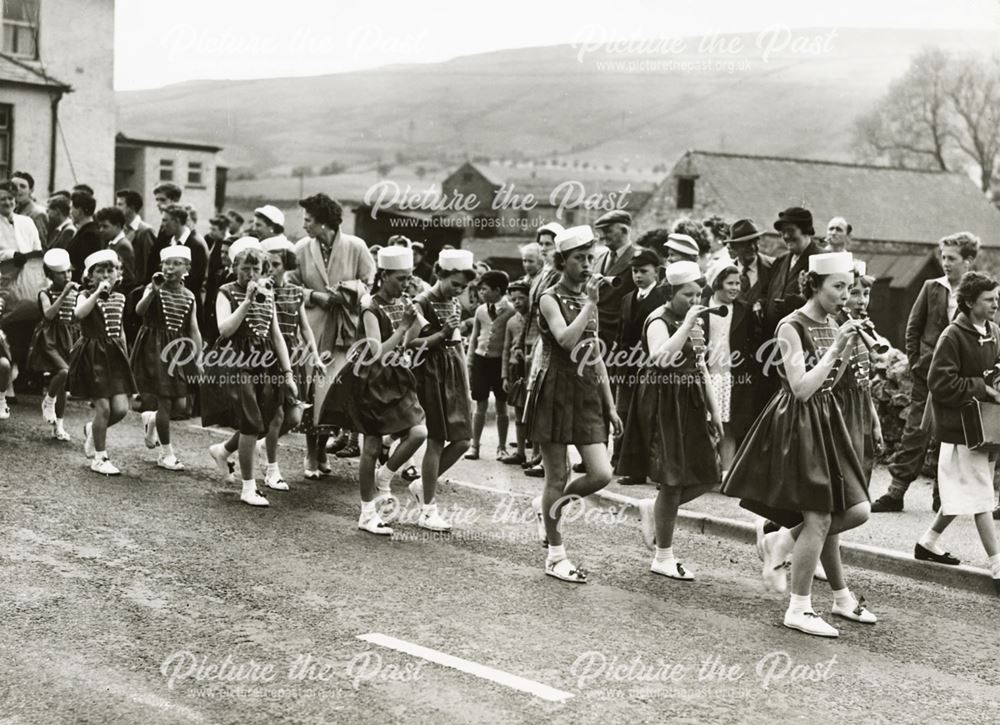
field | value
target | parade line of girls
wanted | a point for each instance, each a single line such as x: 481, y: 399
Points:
x: 805, y: 465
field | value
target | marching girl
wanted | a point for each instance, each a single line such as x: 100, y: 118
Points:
x: 289, y: 303
x: 380, y: 391
x: 55, y: 336
x: 248, y: 364
x: 442, y: 385
x: 569, y: 403
x: 168, y: 342
x: 969, y: 346
x: 798, y: 465
x: 98, y: 364
x: 675, y: 421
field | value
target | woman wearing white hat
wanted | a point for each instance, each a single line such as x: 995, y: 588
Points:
x: 442, y: 384
x: 166, y: 347
x: 98, y: 366
x: 55, y: 336
x: 569, y: 394
x: 674, y: 424
x: 247, y: 365
x: 379, y: 390
x: 798, y: 465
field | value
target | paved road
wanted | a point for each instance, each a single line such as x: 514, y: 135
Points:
x: 158, y: 597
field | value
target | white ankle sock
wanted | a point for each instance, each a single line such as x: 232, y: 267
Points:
x: 250, y: 485
x: 557, y: 553
x: 168, y: 450
x: 930, y: 541
x: 843, y: 597
x: 429, y: 508
x: 367, y: 509
x: 799, y: 604
x: 994, y: 562
x: 100, y: 455
x: 272, y: 468
x: 664, y: 554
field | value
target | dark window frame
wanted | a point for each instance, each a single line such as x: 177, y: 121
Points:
x: 7, y: 140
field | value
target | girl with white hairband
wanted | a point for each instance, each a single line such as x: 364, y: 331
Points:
x: 569, y: 401
x: 378, y: 392
x: 166, y: 348
x: 98, y: 366
x: 246, y: 365
x: 55, y: 336
x: 798, y: 465
x: 674, y: 424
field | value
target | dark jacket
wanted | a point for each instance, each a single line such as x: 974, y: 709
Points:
x: 956, y: 373
x: 765, y: 265
x: 85, y: 242
x: 928, y: 318
x: 609, y: 305
x: 143, y: 240
x: 634, y: 316
x: 783, y: 295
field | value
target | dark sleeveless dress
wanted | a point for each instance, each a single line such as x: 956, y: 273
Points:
x: 165, y: 325
x: 854, y: 396
x: 98, y: 364
x: 53, y: 340
x: 370, y: 397
x: 566, y: 405
x: 799, y: 455
x: 442, y: 383
x: 242, y: 372
x: 668, y: 435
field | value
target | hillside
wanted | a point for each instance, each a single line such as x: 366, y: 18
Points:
x: 544, y: 103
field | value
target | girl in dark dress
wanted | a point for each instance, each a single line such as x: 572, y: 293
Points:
x: 379, y: 393
x: 98, y: 364
x: 246, y: 366
x: 55, y: 336
x: 798, y: 465
x: 442, y: 384
x: 167, y: 347
x: 674, y: 424
x: 289, y: 303
x: 569, y: 394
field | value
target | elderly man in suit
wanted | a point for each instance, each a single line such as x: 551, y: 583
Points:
x: 755, y: 268
x: 636, y: 307
x: 934, y: 309
x: 614, y: 261
x: 336, y: 270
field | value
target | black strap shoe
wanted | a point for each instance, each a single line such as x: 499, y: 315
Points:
x: 922, y: 553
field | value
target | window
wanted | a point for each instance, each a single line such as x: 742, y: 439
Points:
x: 20, y: 28
x: 166, y: 169
x: 685, y: 193
x: 195, y: 173
x: 6, y: 139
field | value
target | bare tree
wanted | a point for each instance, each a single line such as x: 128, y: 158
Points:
x: 975, y: 99
x: 910, y: 126
x: 944, y: 113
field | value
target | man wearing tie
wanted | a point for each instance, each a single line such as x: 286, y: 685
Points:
x: 140, y: 235
x: 616, y: 261
x: 60, y: 223
x: 755, y: 268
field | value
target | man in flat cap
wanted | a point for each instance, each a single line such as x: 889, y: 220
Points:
x: 613, y: 230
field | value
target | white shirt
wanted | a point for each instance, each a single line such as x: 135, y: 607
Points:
x: 719, y: 357
x: 183, y: 238
x: 952, y: 297
x: 134, y: 224
x: 751, y: 271
x: 67, y: 222
x: 641, y: 294
x: 113, y: 242
x: 18, y: 234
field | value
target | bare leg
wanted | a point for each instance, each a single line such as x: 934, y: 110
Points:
x: 366, y: 468
x: 99, y: 426
x: 832, y: 564
x: 598, y: 470
x: 805, y: 554
x: 479, y: 422
x: 553, y: 497
x: 248, y: 442
x: 987, y: 532
x: 503, y: 424
x: 406, y: 447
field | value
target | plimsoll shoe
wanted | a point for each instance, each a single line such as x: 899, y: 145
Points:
x: 432, y: 521
x: 149, y: 429
x: 773, y: 571
x: 250, y: 495
x: 672, y: 569
x: 374, y: 525
x: 49, y: 410
x: 810, y: 623
x: 276, y: 483
x: 104, y: 467
x: 387, y: 505
x: 417, y: 490
x: 857, y: 613
x: 226, y: 467
x: 169, y: 462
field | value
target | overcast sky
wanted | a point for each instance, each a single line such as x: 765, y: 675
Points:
x: 167, y: 42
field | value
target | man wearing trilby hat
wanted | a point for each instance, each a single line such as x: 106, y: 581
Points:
x: 755, y: 268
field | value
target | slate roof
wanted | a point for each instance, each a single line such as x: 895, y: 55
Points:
x: 881, y: 203
x: 13, y: 70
